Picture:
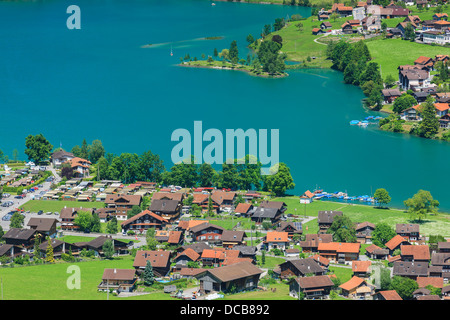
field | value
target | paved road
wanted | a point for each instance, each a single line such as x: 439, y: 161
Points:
x: 28, y: 197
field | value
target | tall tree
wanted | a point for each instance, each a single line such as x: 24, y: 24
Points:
x: 49, y: 256
x: 108, y: 249
x: 84, y: 153
x: 38, y: 148
x: 281, y: 181
x: 421, y: 204
x: 342, y: 229
x: 382, y: 197
x: 148, y: 275
x: 429, y: 125
x: 95, y: 151
x: 382, y: 234
x: 233, y: 53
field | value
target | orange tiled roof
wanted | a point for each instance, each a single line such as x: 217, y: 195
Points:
x: 441, y: 106
x: 276, y: 236
x: 419, y: 252
x: 395, y: 241
x: 352, y: 283
x: 434, y: 281
x: 339, y: 247
x: 361, y: 266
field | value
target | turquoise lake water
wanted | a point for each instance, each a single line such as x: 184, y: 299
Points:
x: 99, y: 83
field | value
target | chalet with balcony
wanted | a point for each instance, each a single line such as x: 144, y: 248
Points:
x: 409, y: 231
x: 315, y: 287
x: 300, y: 268
x: 339, y: 252
x: 118, y: 280
x: 122, y: 204
x: 143, y: 221
x: 168, y: 209
x: 159, y: 260
x: 325, y: 219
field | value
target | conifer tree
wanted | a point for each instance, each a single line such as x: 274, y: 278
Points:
x: 49, y: 257
x: 149, y: 277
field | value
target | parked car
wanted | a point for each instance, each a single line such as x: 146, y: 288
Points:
x: 40, y: 212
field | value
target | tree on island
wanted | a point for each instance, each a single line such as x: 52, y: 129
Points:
x: 268, y: 54
x: 233, y: 53
x: 37, y: 148
x: 382, y: 197
x: 421, y: 204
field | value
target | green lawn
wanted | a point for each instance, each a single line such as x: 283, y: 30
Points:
x: 390, y: 53
x: 281, y: 293
x: 439, y: 224
x: 57, y: 205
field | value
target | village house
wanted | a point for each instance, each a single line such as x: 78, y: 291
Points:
x: 231, y: 238
x: 144, y: 221
x: 59, y: 247
x: 389, y: 95
x: 412, y: 113
x: 197, y: 247
x: 11, y: 251
x: 238, y: 276
x: 45, y: 226
x: 307, y: 197
x: 410, y: 269
x: 20, y: 237
x: 80, y: 167
x: 122, y: 204
x: 409, y: 231
x: 375, y: 252
x: 413, y: 78
x: 60, y: 157
x: 169, y: 210
x: 361, y: 269
x: 357, y: 288
x: 441, y: 109
x: 118, y: 280
x: 159, y: 260
x: 323, y: 262
x: 420, y: 96
x: 325, y: 25
x: 269, y: 211
x: 170, y: 237
x: 436, y: 282
x: 441, y: 262
x: 311, y: 242
x: 313, y: 287
x: 183, y: 258
x: 202, y: 200
x: 206, y: 232
x: 443, y: 247
x: 178, y: 196
x: 325, y: 219
x: 339, y: 252
x: 415, y: 253
x: 440, y: 37
x: 387, y: 295
x: 244, y: 209
x: 444, y: 121
x: 395, y: 243
x: 276, y: 240
x: 68, y: 216
x: 292, y: 228
x: 364, y: 232
x: 300, y: 268
x: 223, y: 199
x: 440, y: 16
x: 96, y: 245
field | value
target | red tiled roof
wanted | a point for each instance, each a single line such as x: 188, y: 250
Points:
x: 434, y: 281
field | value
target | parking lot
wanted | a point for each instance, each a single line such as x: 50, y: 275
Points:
x: 17, y: 202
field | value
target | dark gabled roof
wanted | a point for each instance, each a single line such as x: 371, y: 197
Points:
x: 263, y: 212
x: 305, y: 266
x: 235, y: 271
x: 19, y: 234
x: 327, y: 216
x: 204, y: 226
x: 164, y: 205
x: 231, y: 235
x: 407, y: 268
x: 440, y: 259
x: 158, y: 259
x: 197, y: 247
x: 272, y: 204
x: 406, y: 228
x: 314, y: 282
x: 246, y: 250
x: 99, y: 241
x: 119, y: 274
x: 42, y: 224
x: 60, y: 154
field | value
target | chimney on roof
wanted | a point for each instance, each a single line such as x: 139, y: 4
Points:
x: 115, y: 271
